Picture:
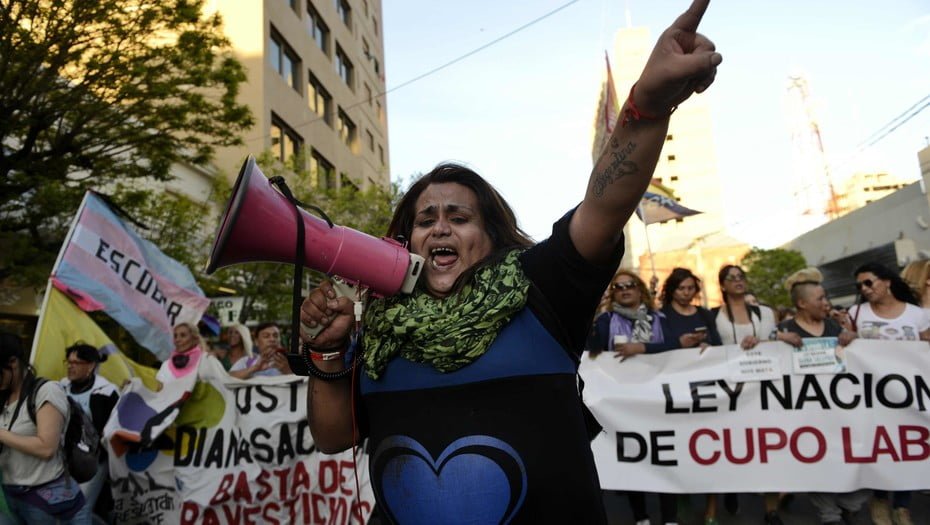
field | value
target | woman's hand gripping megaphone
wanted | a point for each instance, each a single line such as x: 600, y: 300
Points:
x: 328, y: 314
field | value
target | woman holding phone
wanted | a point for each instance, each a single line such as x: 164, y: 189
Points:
x: 687, y: 325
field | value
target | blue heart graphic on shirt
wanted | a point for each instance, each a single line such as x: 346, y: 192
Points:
x: 476, y: 479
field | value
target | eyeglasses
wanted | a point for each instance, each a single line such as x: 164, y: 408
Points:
x: 865, y: 283
x: 735, y: 277
x: 623, y: 286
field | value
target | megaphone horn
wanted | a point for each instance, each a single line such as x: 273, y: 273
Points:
x: 260, y: 224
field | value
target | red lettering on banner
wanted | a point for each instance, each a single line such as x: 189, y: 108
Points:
x: 222, y: 491
x: 343, y: 466
x: 318, y: 512
x: 291, y: 511
x: 821, y: 445
x: 765, y: 445
x: 883, y: 444
x: 281, y: 474
x: 848, y: 450
x: 329, y: 476
x: 308, y: 510
x: 248, y: 513
x: 692, y: 447
x: 728, y: 448
x: 233, y: 515
x: 301, y: 477
x: 359, y: 509
x: 923, y: 435
x: 242, y: 492
x: 271, y: 519
x: 264, y: 487
x: 189, y: 513
x: 338, y: 512
x: 210, y: 517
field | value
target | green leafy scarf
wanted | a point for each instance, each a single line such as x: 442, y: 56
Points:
x: 447, y: 333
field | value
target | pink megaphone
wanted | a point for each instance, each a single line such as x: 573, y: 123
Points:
x: 260, y: 224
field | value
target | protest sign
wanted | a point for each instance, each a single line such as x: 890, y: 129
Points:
x: 238, y: 452
x: 674, y: 422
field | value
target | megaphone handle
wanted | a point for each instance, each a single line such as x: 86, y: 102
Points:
x: 342, y: 289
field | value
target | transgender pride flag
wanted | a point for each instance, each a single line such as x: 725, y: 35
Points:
x: 140, y: 287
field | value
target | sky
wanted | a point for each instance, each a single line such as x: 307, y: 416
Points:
x: 520, y: 112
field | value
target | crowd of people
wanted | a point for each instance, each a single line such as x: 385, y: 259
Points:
x: 37, y: 486
x: 478, y: 366
x: 888, y: 306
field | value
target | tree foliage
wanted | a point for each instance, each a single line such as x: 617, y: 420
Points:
x: 95, y: 92
x: 767, y: 271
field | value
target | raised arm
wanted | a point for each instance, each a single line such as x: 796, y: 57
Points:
x: 683, y: 62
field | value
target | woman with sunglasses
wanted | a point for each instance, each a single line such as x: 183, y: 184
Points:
x: 738, y: 321
x: 742, y: 323
x: 632, y: 326
x: 686, y: 325
x: 888, y: 309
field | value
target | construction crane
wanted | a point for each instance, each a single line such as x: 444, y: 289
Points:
x: 818, y: 194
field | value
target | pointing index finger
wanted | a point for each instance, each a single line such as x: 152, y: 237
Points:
x: 690, y: 19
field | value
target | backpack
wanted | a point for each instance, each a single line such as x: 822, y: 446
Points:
x: 82, y: 441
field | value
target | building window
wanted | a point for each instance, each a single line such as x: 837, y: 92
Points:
x: 322, y: 171
x: 380, y: 112
x: 345, y: 182
x: 374, y: 23
x: 381, y: 154
x: 671, y: 158
x: 293, y: 4
x: 344, y: 67
x: 285, y: 142
x: 318, y: 99
x: 284, y: 60
x: 346, y: 129
x: 669, y: 137
x: 365, y: 6
x: 368, y: 94
x: 345, y: 12
x: 674, y: 178
x: 317, y: 29
x: 371, y: 140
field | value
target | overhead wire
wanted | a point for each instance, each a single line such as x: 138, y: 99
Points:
x: 440, y: 67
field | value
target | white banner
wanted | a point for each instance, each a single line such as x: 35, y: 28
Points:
x: 236, y: 452
x: 678, y: 422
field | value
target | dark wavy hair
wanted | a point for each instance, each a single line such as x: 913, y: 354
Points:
x: 899, y: 289
x: 11, y: 345
x: 674, y: 280
x: 722, y: 278
x: 498, y: 218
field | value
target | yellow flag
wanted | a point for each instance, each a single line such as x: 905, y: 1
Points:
x: 63, y: 324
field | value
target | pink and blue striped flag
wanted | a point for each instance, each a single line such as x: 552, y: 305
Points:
x: 140, y: 287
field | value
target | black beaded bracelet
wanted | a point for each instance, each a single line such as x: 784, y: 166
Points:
x: 325, y: 376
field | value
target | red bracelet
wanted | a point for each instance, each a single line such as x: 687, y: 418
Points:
x: 326, y: 356
x: 631, y: 112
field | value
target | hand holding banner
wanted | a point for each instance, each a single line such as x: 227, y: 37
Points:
x: 673, y: 421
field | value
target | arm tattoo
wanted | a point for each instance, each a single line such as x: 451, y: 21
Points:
x: 618, y: 168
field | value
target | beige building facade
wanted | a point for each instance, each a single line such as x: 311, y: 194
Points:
x: 315, y: 84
